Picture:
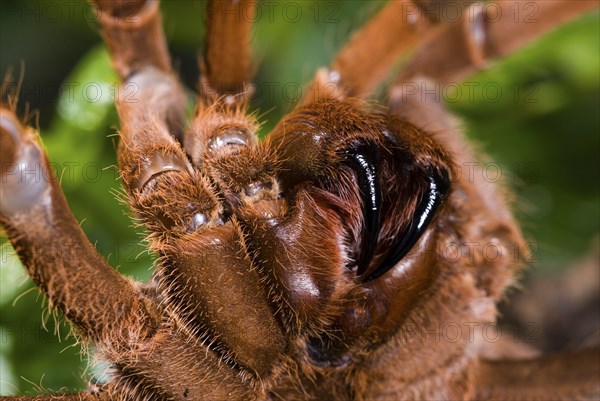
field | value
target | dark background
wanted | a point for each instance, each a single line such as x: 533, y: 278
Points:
x: 536, y: 114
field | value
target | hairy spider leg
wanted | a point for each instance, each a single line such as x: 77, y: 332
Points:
x: 186, y: 207
x: 486, y: 32
x: 106, y: 308
x: 222, y: 124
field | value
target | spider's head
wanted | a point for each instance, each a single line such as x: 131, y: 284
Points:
x: 370, y: 190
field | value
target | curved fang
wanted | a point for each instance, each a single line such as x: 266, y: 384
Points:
x: 438, y: 188
x: 364, y: 158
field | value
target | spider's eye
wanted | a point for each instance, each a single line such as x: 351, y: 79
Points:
x: 255, y: 188
x: 198, y: 220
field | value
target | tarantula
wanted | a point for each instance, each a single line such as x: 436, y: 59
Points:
x: 298, y: 267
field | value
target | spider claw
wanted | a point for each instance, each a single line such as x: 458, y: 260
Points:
x: 9, y: 138
x: 25, y: 175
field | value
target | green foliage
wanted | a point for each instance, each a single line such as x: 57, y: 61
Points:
x: 540, y: 122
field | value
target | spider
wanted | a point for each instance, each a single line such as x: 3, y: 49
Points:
x: 305, y: 266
